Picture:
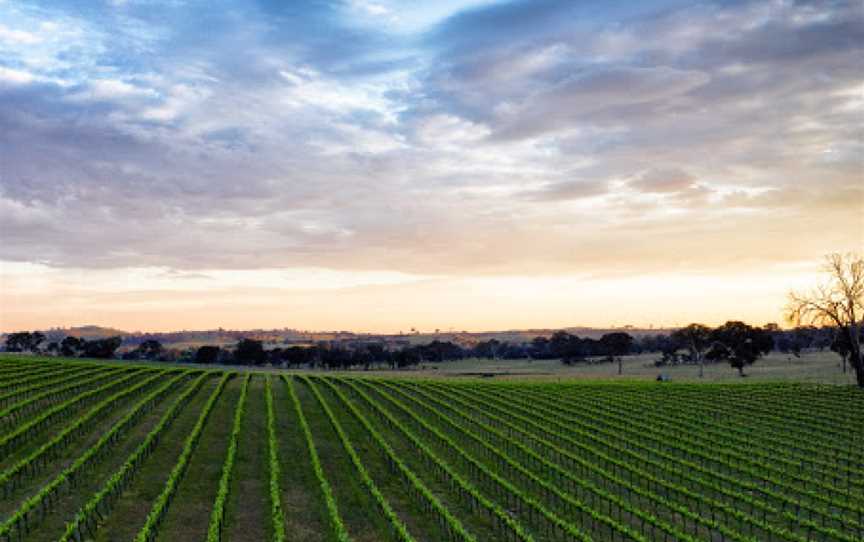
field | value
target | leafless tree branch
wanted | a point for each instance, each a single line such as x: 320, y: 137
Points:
x: 838, y: 302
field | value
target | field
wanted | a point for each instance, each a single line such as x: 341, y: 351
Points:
x: 111, y: 452
x: 814, y: 367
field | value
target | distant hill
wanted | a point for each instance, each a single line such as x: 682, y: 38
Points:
x: 191, y: 338
x: 85, y: 332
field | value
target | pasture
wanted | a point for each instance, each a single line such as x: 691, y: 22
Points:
x: 106, y: 451
x: 812, y: 367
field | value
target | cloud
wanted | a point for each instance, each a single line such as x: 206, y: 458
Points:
x: 374, y: 9
x: 841, y: 199
x: 567, y: 190
x: 605, y: 91
x: 18, y: 36
x: 15, y: 77
x: 113, y: 89
x: 448, y: 130
x: 285, y: 135
x: 495, y: 60
x: 662, y: 180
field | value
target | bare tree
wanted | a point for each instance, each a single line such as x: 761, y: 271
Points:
x: 838, y: 302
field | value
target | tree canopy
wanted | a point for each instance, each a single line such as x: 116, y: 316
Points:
x: 739, y: 344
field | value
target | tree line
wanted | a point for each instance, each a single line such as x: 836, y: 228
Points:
x: 735, y: 342
x: 71, y: 347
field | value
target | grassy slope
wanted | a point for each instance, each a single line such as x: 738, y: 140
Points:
x: 356, y: 506
x: 392, y: 485
x: 188, y: 517
x: 67, y: 455
x: 55, y: 425
x: 476, y: 521
x: 69, y: 503
x: 305, y: 516
x: 247, y: 514
x: 134, y: 505
x: 817, y: 367
x: 248, y: 507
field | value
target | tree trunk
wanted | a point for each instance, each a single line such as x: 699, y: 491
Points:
x: 620, y: 369
x: 701, y: 365
x: 855, y: 358
x: 858, y: 367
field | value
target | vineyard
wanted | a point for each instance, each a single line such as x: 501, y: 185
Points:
x: 105, y: 452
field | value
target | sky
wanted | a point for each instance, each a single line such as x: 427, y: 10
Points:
x: 378, y: 165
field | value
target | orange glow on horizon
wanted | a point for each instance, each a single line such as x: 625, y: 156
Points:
x: 382, y: 303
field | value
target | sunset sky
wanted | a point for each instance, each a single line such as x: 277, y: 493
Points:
x: 377, y: 165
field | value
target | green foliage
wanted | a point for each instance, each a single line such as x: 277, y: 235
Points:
x: 336, y: 523
x: 217, y: 517
x: 27, y: 427
x: 31, y: 464
x: 276, y: 517
x: 420, y: 490
x: 503, y: 520
x: 99, y: 505
x: 151, y: 525
x: 395, y: 523
x: 469, y: 459
x: 24, y: 341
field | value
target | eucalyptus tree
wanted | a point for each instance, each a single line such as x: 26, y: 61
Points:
x: 837, y: 302
x: 695, y: 338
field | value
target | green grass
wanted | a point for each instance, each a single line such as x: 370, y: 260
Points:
x: 355, y: 503
x: 813, y: 366
x: 300, y: 495
x: 248, y: 504
x: 537, y: 449
x: 376, y: 463
x: 816, y: 367
x: 131, y: 510
x: 69, y: 503
x: 64, y: 457
x: 189, y: 517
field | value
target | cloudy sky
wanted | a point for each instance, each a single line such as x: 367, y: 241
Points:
x: 385, y: 164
